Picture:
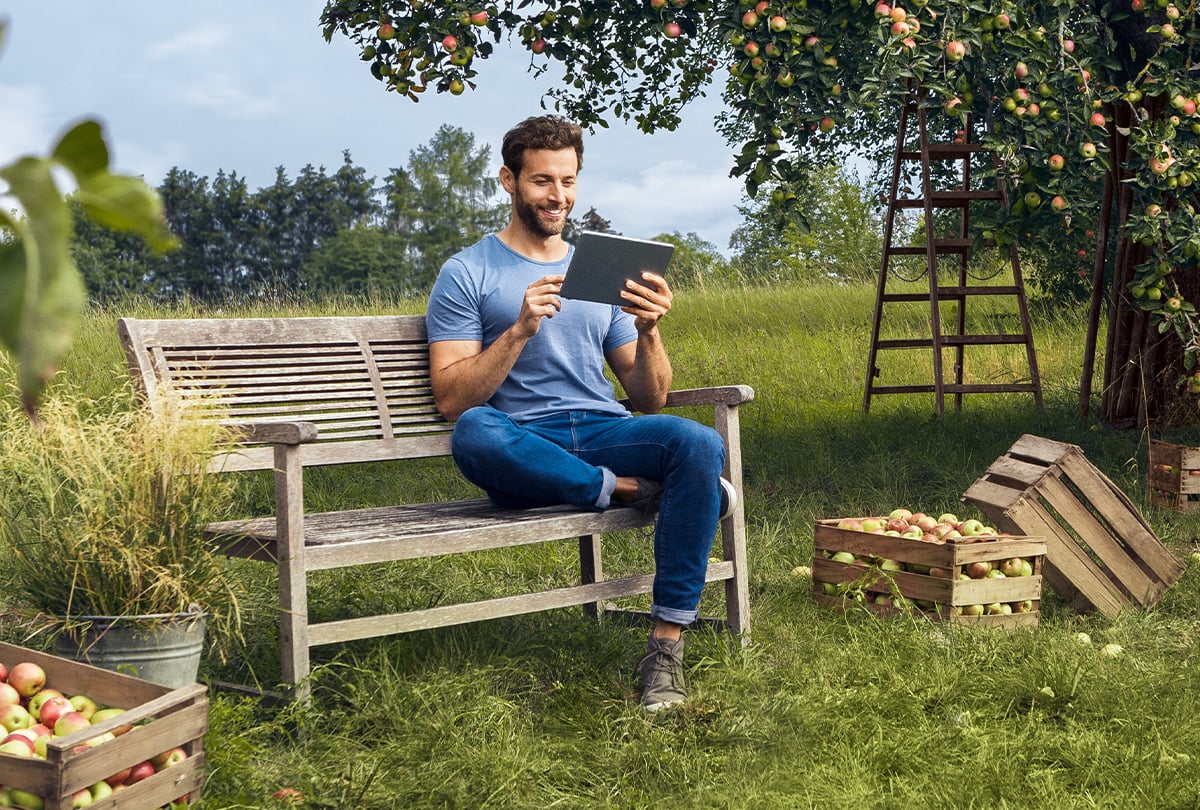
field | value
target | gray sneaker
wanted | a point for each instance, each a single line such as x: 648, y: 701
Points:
x: 661, y: 670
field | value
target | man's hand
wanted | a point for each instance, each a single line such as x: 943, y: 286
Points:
x: 541, y: 301
x: 648, y: 301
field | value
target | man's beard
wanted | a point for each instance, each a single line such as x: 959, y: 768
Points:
x: 528, y: 214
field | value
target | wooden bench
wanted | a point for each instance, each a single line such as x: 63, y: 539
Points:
x: 335, y: 390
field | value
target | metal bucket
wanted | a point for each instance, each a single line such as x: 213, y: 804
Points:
x: 162, y: 648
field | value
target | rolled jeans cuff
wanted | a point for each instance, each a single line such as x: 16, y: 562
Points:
x: 607, y: 486
x: 673, y: 615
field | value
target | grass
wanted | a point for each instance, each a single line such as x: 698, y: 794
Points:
x: 823, y: 709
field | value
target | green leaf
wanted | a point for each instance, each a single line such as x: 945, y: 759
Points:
x: 126, y: 203
x: 82, y: 151
x: 43, y: 293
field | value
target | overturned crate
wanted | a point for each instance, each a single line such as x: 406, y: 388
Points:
x: 927, y: 577
x: 1101, y: 554
x: 1173, y: 478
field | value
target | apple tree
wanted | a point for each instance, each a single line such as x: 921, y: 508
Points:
x: 1090, y: 106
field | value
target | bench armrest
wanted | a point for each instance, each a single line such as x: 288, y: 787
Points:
x: 275, y: 432
x: 716, y: 395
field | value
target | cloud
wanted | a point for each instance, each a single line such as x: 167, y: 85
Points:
x: 31, y: 130
x: 207, y: 38
x: 670, y: 195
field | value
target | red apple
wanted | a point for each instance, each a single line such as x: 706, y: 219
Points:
x: 778, y: 23
x: 172, y: 756
x: 449, y: 43
x: 386, y: 31
x: 20, y: 736
x: 955, y: 50
x: 70, y: 723
x: 142, y: 770
x: 978, y: 569
x: 672, y: 30
x: 479, y: 18
x: 27, y: 678
x: 34, y: 704
x: 54, y: 708
x: 749, y: 19
x: 8, y: 695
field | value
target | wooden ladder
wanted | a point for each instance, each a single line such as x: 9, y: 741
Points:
x: 958, y: 245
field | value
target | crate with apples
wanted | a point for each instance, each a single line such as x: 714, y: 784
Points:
x: 942, y: 567
x: 76, y: 735
x: 1173, y: 479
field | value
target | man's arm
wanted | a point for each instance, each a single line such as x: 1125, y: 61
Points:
x: 642, y: 366
x: 464, y: 374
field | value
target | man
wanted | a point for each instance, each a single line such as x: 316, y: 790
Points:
x: 521, y: 372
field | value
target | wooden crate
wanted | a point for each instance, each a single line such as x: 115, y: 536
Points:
x: 1173, y: 478
x: 944, y: 594
x: 163, y: 718
x: 1101, y: 554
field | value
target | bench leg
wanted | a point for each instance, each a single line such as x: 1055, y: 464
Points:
x: 733, y: 530
x: 293, y: 580
x: 591, y: 570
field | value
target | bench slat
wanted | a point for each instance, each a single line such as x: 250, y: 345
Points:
x: 446, y: 615
x: 414, y: 531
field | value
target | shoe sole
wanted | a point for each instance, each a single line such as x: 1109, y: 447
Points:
x: 731, y: 499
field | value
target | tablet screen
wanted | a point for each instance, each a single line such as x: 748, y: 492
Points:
x: 603, y: 262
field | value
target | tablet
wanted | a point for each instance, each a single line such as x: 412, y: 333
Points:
x: 603, y: 262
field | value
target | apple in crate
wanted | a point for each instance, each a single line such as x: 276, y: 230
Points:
x: 27, y: 678
x: 978, y: 569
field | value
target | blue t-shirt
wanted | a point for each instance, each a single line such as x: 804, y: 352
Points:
x: 478, y: 296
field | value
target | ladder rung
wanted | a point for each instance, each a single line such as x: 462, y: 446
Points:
x: 998, y: 388
x: 959, y: 292
x: 949, y: 293
x: 981, y: 340
x: 940, y: 246
x: 922, y: 297
x: 902, y: 389
x: 949, y: 199
x: 914, y: 343
x: 946, y: 151
x: 952, y: 340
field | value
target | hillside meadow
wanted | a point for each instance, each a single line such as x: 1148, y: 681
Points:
x: 823, y: 709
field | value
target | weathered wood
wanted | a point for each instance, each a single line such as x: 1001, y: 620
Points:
x: 305, y: 392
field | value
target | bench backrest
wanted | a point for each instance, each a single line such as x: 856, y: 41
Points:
x: 362, y: 380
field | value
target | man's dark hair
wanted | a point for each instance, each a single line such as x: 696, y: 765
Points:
x: 540, y: 132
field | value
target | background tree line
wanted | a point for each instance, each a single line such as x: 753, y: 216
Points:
x: 326, y: 233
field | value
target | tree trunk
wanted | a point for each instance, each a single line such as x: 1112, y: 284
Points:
x: 1141, y: 366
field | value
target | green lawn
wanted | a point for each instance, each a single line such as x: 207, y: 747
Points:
x: 823, y: 709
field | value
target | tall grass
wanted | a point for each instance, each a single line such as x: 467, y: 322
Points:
x: 823, y: 709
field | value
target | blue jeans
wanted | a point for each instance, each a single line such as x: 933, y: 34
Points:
x: 575, y: 457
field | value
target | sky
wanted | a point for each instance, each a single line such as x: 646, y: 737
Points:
x: 251, y: 86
